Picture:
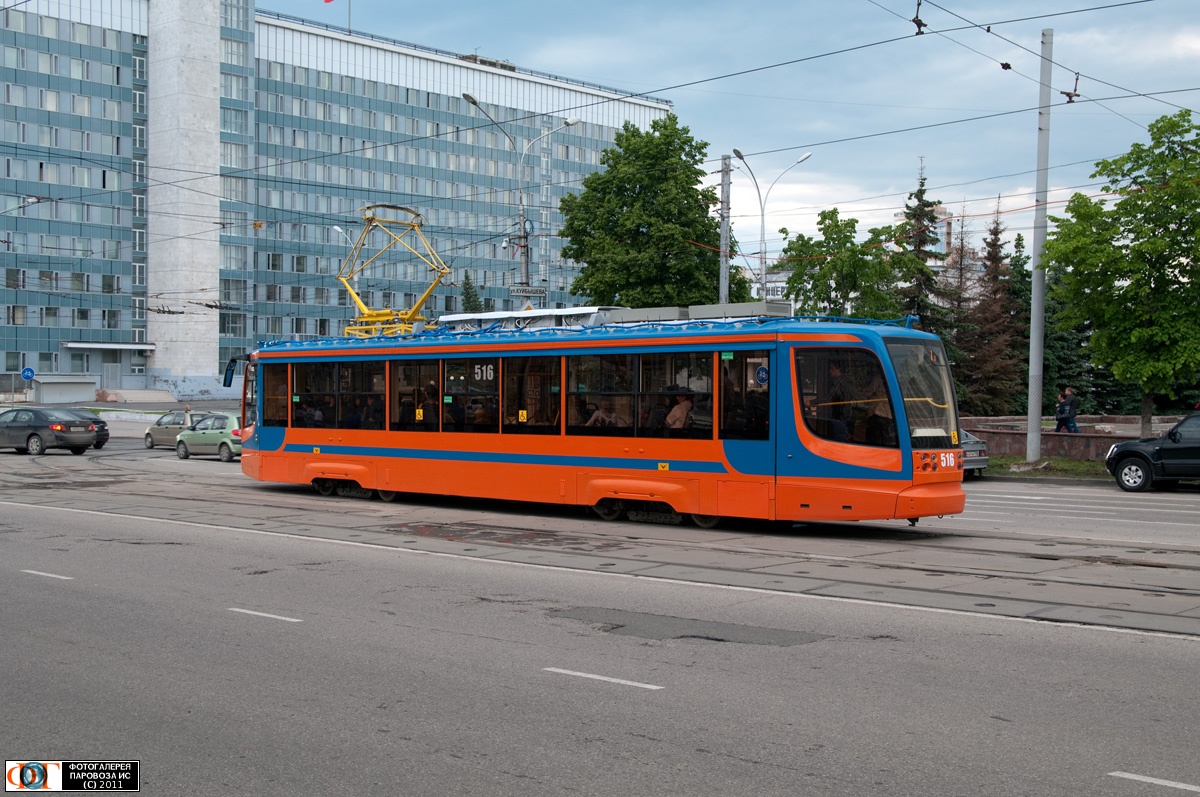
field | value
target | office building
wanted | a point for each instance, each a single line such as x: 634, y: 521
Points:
x: 181, y: 180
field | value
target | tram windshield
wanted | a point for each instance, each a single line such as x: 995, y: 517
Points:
x: 925, y: 384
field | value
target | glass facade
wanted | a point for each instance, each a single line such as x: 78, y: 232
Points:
x: 313, y: 125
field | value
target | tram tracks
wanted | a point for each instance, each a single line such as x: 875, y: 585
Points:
x: 882, y: 561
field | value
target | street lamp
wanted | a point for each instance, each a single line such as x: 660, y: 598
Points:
x: 24, y: 203
x: 522, y: 235
x: 762, y: 216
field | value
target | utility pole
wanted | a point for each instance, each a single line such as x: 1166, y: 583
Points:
x: 1037, y: 302
x: 726, y: 170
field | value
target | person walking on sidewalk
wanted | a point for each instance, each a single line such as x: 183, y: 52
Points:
x: 1072, y: 410
x: 1060, y: 413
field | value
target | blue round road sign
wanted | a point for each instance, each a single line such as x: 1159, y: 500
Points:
x: 27, y: 374
x: 760, y: 375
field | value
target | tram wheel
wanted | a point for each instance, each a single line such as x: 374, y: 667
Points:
x: 325, y: 487
x: 609, y: 509
x: 387, y: 496
x: 706, y: 521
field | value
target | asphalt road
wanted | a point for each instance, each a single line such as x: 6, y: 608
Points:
x: 229, y: 661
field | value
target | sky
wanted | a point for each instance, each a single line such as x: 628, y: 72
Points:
x: 850, y: 82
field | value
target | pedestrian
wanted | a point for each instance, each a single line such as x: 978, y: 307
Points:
x: 1072, y: 410
x: 1060, y: 413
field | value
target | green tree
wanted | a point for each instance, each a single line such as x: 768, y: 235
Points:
x: 471, y: 303
x: 1130, y: 271
x: 643, y: 228
x: 990, y: 371
x: 922, y: 295
x: 1066, y: 359
x: 1019, y: 295
x: 835, y: 275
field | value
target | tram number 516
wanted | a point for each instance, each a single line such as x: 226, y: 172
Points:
x: 949, y: 460
x: 485, y: 373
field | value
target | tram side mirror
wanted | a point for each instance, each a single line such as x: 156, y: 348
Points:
x: 231, y: 369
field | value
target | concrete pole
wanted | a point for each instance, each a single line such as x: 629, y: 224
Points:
x: 1037, y: 304
x: 726, y: 169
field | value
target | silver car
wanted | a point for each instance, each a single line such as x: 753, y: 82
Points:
x: 164, y: 431
x: 975, y: 455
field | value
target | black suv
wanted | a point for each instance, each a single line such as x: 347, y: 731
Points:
x: 1161, y: 462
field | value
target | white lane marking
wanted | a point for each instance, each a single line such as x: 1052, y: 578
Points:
x: 1156, y: 781
x: 1004, y: 618
x: 48, y: 575
x: 602, y: 678
x: 272, y: 616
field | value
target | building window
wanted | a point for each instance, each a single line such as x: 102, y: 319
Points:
x: 234, y: 87
x: 139, y: 67
x: 234, y: 52
x: 139, y: 102
x: 111, y: 319
x: 233, y: 290
x: 234, y: 14
x: 233, y: 257
x: 232, y: 325
x: 234, y: 189
x: 14, y: 316
x: 49, y: 316
x: 139, y: 240
x: 233, y: 121
x: 233, y: 156
x: 138, y: 313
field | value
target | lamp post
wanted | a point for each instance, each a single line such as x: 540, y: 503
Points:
x: 762, y: 217
x: 24, y: 203
x: 522, y: 235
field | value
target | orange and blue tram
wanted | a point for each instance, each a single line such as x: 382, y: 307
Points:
x: 766, y: 417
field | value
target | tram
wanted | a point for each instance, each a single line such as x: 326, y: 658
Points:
x: 699, y: 413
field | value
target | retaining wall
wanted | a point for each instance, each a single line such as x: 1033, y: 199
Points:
x: 1097, y: 433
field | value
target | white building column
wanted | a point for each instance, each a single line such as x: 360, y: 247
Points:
x: 183, y: 194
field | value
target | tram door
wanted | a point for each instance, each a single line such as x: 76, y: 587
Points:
x: 744, y: 426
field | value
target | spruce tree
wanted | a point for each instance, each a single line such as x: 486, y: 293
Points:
x: 471, y: 303
x: 991, y: 367
x: 922, y: 296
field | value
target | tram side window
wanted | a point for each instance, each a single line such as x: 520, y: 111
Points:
x: 275, y: 394
x: 416, y: 399
x: 844, y: 396
x: 360, y: 396
x: 745, y: 399
x: 470, y: 399
x: 314, y: 394
x: 600, y: 395
x: 676, y: 396
x: 531, y: 395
